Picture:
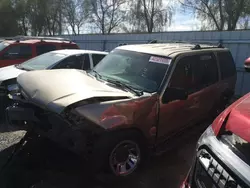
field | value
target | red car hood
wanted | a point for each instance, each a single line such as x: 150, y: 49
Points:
x: 238, y: 120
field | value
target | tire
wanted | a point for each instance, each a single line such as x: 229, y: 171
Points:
x: 120, y: 153
x: 3, y: 105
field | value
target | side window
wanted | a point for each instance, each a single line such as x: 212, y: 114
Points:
x: 193, y: 73
x: 97, y: 58
x: 227, y: 65
x: 18, y: 52
x: 183, y: 75
x: 206, y: 70
x: 69, y: 46
x: 44, y: 48
x: 86, y: 65
x: 72, y: 62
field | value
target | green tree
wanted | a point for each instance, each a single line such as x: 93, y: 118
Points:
x: 8, y: 21
x: 218, y: 14
x: 149, y: 15
x: 106, y: 15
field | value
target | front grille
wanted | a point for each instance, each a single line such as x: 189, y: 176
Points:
x: 211, y: 174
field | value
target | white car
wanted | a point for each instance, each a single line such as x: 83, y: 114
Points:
x: 59, y: 59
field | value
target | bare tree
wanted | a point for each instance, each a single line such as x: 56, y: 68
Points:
x: 149, y: 15
x: 74, y: 14
x: 218, y: 14
x: 106, y: 15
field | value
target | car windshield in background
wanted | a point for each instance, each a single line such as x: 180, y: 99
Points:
x: 141, y: 71
x: 44, y: 61
x: 3, y: 45
x: 239, y: 146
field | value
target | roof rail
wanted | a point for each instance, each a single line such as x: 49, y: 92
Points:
x: 23, y: 38
x: 153, y: 41
x: 196, y: 47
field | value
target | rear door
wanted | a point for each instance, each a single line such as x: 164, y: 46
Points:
x: 16, y: 54
x: 44, y: 48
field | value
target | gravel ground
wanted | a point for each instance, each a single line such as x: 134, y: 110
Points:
x: 42, y: 164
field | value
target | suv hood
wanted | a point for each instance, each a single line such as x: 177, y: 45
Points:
x: 238, y: 121
x: 57, y: 89
x: 10, y: 72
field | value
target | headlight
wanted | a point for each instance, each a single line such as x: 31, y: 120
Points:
x: 208, y: 133
x: 13, y: 88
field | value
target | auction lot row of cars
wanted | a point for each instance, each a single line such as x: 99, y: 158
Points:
x: 132, y: 102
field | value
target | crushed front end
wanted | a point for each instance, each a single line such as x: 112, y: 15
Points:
x: 67, y: 129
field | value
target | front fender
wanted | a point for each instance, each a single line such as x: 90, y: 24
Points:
x: 138, y: 113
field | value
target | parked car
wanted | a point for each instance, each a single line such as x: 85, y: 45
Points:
x: 133, y: 102
x: 59, y: 59
x: 222, y: 153
x: 247, y: 64
x: 19, y: 49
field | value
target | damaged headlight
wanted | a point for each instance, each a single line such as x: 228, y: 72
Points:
x: 13, y: 88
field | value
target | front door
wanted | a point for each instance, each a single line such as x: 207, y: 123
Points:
x: 174, y: 115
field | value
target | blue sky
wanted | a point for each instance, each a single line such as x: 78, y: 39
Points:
x: 184, y: 21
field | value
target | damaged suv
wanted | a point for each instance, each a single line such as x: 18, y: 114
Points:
x: 134, y: 101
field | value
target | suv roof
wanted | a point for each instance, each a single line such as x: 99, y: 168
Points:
x: 76, y: 51
x: 171, y: 49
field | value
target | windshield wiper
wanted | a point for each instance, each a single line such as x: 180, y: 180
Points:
x: 19, y: 66
x: 97, y: 75
x: 125, y: 86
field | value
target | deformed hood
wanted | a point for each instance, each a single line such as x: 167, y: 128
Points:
x: 10, y: 72
x: 57, y: 89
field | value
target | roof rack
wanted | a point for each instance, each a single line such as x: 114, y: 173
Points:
x: 23, y: 38
x: 196, y: 47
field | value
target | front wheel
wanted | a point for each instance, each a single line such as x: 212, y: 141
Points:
x: 121, y: 153
x: 125, y: 158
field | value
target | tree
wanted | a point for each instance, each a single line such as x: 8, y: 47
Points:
x: 218, y: 14
x: 106, y: 15
x: 74, y: 14
x: 8, y: 21
x: 149, y: 15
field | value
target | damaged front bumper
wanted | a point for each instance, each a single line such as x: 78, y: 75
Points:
x: 77, y: 138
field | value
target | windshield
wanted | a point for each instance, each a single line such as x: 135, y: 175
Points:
x: 44, y: 61
x: 141, y: 71
x: 3, y: 45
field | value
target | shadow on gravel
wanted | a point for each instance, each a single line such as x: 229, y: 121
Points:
x: 41, y: 164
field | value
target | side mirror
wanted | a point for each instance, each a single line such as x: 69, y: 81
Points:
x: 247, y: 64
x: 172, y: 94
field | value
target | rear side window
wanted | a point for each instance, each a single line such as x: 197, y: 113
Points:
x: 227, y: 65
x: 97, y: 58
x: 18, y: 52
x: 44, y: 48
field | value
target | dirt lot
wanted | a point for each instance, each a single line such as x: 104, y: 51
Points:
x: 42, y: 164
